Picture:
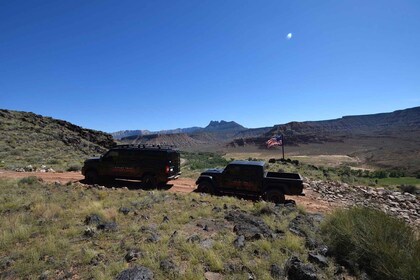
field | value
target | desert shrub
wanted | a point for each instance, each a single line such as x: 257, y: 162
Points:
x: 409, y: 188
x: 396, y: 174
x: 379, y: 174
x: 53, y: 161
x: 369, y: 240
x: 31, y: 180
x: 74, y: 167
x: 199, y: 161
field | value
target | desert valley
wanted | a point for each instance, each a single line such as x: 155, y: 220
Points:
x: 66, y: 228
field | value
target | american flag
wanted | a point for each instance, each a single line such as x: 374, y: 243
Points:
x: 275, y: 141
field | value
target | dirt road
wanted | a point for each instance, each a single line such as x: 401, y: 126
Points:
x: 310, y: 201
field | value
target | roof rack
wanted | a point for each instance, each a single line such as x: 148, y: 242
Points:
x: 145, y: 146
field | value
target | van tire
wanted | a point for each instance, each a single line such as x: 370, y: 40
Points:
x: 149, y: 182
x: 92, y: 177
x: 206, y: 187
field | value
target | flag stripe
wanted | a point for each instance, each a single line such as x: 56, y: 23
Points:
x: 275, y: 141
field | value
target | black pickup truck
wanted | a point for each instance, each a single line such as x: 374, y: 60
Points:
x: 249, y: 178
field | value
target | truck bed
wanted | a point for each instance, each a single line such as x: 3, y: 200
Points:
x: 288, y: 183
x: 283, y: 175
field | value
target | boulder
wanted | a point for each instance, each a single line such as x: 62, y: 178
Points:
x: 107, y: 226
x: 193, y: 239
x: 318, y: 259
x: 250, y: 226
x: 276, y: 272
x: 136, y: 273
x: 239, y: 242
x: 93, y: 219
x: 168, y: 266
x: 296, y: 270
x: 132, y: 255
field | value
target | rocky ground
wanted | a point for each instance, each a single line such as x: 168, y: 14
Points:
x: 310, y: 202
x: 402, y: 205
x: 161, y: 233
x: 320, y: 196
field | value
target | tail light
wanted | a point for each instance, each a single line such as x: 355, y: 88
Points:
x: 167, y: 169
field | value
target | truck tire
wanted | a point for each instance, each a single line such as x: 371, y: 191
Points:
x: 91, y: 177
x: 274, y: 196
x: 205, y: 187
x: 149, y: 182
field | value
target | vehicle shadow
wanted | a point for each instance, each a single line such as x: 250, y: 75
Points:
x: 129, y: 184
x: 245, y: 197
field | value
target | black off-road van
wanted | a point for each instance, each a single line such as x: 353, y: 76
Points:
x: 153, y: 164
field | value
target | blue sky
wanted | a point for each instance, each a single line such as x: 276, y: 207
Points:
x: 113, y: 65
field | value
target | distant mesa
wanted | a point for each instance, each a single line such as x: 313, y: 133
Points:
x: 127, y: 133
x: 215, y: 133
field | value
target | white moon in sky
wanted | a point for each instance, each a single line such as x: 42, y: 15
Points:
x: 289, y: 36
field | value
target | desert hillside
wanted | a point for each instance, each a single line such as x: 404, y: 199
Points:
x: 386, y: 140
x: 30, y: 139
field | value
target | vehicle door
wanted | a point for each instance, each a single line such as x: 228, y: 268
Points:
x: 108, y: 164
x: 252, y: 177
x: 231, y: 179
x: 125, y: 164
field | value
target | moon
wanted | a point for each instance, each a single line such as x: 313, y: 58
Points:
x: 289, y: 36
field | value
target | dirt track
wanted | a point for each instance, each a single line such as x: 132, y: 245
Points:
x: 182, y: 185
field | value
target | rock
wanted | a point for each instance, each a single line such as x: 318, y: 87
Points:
x: 216, y: 209
x: 318, y: 259
x: 207, y: 244
x: 296, y: 226
x: 213, y: 276
x: 124, y: 210
x: 132, y: 255
x: 168, y: 266
x: 93, y: 219
x: 232, y: 267
x: 251, y: 275
x: 107, y: 226
x: 276, y: 272
x: 193, y: 238
x: 296, y: 270
x: 239, y: 242
x: 136, y: 273
x: 311, y: 243
x: 89, y: 232
x: 29, y: 168
x: 323, y: 250
x: 251, y: 227
x: 6, y: 263
x: 153, y: 237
